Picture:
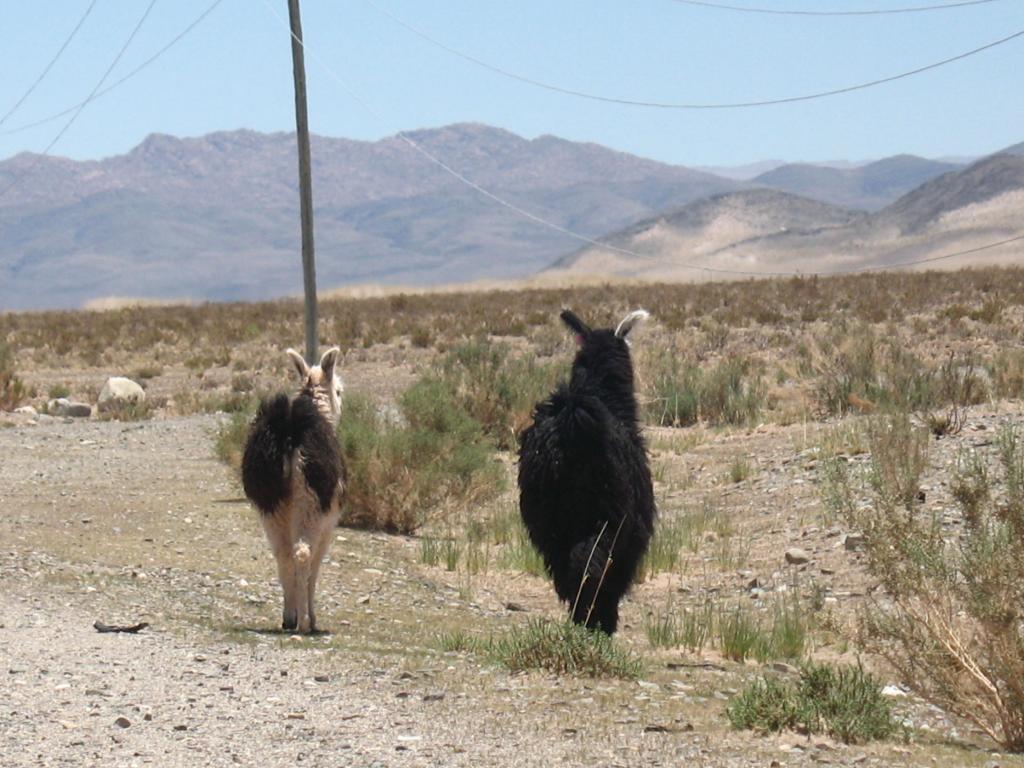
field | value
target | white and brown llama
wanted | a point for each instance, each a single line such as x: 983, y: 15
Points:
x: 293, y: 473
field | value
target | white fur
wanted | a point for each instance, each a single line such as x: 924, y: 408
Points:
x: 631, y: 320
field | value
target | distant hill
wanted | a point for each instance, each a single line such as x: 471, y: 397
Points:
x: 868, y: 187
x: 709, y: 225
x: 756, y: 231
x: 216, y: 217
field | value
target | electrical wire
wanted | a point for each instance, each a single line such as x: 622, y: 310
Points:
x: 677, y: 105
x: 174, y: 41
x: 39, y: 157
x: 877, y: 12
x: 49, y: 66
x: 591, y: 241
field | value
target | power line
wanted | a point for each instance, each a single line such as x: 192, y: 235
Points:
x: 877, y: 12
x: 38, y: 158
x: 49, y: 66
x: 592, y: 241
x: 174, y: 41
x: 676, y: 105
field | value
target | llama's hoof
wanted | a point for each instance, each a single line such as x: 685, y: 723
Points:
x: 289, y: 625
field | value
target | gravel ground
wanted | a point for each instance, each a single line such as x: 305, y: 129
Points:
x: 137, y: 522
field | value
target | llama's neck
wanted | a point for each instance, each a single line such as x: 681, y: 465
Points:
x: 321, y: 397
x: 613, y: 385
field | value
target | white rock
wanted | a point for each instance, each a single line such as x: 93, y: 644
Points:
x: 119, y: 392
x: 894, y: 692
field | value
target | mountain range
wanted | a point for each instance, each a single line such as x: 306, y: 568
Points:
x: 216, y: 217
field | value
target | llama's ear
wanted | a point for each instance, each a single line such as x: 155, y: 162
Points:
x: 328, y: 361
x: 580, y: 329
x: 630, y: 321
x: 299, y: 362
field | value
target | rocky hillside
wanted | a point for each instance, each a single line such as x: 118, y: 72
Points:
x: 868, y: 187
x: 215, y: 217
x: 746, y: 232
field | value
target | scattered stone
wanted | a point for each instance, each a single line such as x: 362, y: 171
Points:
x: 797, y: 556
x: 68, y: 408
x: 853, y: 541
x: 119, y: 392
x: 322, y: 678
x: 510, y: 606
x: 781, y: 666
x: 894, y: 692
x: 181, y: 727
x: 364, y: 600
x: 27, y: 410
x: 123, y: 722
x: 433, y: 697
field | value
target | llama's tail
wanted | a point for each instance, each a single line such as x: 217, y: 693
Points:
x: 266, y: 463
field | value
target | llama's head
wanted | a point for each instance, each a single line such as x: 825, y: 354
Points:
x: 322, y: 382
x: 603, y: 353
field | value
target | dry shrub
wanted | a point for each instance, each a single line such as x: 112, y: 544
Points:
x: 12, y: 390
x: 952, y: 616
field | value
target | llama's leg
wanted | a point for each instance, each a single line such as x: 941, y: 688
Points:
x: 303, y: 554
x: 278, y: 531
x: 586, y: 569
x: 606, y: 614
x: 325, y: 533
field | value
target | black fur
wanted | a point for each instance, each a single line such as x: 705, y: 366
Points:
x: 585, y: 486
x: 281, y: 427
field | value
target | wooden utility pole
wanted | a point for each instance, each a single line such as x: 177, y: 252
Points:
x: 305, y: 181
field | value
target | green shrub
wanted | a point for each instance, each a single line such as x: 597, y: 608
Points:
x: 229, y: 440
x: 496, y: 388
x: 434, y: 457
x: 564, y: 648
x: 679, y: 393
x: 846, y: 703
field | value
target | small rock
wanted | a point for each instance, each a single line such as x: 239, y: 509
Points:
x: 781, y: 666
x: 27, y: 410
x: 433, y: 697
x: 322, y: 678
x: 797, y: 556
x: 515, y: 607
x: 181, y: 727
x: 363, y: 600
x: 894, y: 692
x: 122, y: 722
x: 853, y: 541
x: 64, y: 407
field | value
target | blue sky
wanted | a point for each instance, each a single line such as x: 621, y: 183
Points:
x: 234, y: 71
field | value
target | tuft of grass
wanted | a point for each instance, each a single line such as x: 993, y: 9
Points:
x: 564, y: 648
x: 135, y: 410
x: 844, y: 702
x: 689, y: 628
x: 740, y: 469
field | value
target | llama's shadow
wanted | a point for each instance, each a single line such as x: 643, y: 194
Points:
x: 279, y: 632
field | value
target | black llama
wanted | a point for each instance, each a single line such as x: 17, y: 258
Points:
x: 293, y: 474
x: 585, y: 488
